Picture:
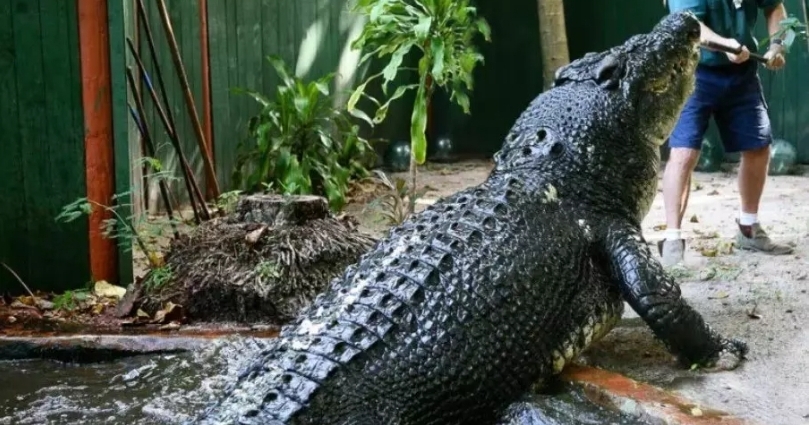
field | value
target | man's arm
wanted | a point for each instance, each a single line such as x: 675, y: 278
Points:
x: 774, y: 12
x: 774, y: 15
x: 699, y: 9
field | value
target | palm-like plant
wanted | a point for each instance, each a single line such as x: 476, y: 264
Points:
x: 444, y: 32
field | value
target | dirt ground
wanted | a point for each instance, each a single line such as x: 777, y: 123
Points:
x: 759, y: 298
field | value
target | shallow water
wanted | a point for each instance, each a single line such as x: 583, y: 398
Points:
x: 171, y: 389
x: 149, y: 389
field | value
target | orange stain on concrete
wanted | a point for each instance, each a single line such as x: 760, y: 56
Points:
x: 653, y: 400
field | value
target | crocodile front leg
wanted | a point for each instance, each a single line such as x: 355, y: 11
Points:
x: 654, y: 295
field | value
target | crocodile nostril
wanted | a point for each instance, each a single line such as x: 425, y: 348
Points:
x: 526, y: 151
x: 556, y: 149
x: 694, y: 33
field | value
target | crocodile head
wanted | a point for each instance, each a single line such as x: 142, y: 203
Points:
x: 595, y: 135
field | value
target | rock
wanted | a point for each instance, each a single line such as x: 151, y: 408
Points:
x: 104, y: 289
x: 783, y: 158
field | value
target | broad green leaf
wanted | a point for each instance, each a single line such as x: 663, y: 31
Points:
x: 484, y: 29
x: 359, y: 113
x: 355, y: 95
x: 281, y: 69
x: 422, y: 29
x: 437, y: 50
x: 377, y: 10
x: 382, y: 111
x: 462, y: 100
x: 389, y: 73
x: 418, y: 125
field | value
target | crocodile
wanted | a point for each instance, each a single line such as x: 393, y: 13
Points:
x: 468, y: 305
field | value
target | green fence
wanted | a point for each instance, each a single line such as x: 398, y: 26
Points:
x: 312, y: 37
x: 42, y: 164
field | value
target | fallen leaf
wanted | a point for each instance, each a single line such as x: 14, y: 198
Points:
x: 11, y: 319
x: 659, y: 227
x: 707, y: 274
x: 143, y: 314
x: 255, y: 235
x: 27, y: 300
x: 173, y: 326
x: 719, y: 295
x: 103, y: 288
x: 708, y: 252
x: 98, y: 308
x: 156, y: 259
x: 696, y: 411
x: 754, y: 315
x: 694, y: 219
x: 18, y: 304
x: 44, y: 304
x: 169, y: 313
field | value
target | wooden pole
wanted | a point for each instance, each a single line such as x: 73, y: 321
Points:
x: 552, y: 38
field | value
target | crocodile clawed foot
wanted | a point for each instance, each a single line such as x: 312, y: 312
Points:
x: 734, y: 351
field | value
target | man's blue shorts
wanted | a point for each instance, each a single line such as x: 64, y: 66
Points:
x: 733, y: 96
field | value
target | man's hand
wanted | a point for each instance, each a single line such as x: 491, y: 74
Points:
x: 775, y: 57
x: 743, y: 56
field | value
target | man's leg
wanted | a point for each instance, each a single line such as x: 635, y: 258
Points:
x: 685, y: 143
x: 745, y: 126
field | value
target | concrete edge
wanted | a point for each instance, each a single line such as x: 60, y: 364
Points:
x: 649, y: 403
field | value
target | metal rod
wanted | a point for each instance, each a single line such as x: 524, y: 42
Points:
x: 146, y: 135
x: 191, y: 186
x: 189, y: 99
x: 728, y: 49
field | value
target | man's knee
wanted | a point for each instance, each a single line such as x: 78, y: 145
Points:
x: 758, y: 153
x: 682, y: 159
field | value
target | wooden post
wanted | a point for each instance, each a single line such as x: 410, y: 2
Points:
x: 97, y: 105
x: 552, y: 38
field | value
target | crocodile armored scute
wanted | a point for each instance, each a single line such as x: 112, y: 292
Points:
x: 467, y: 306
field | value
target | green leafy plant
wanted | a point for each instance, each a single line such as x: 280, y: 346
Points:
x: 69, y: 300
x: 158, y: 277
x: 226, y: 201
x: 791, y: 29
x: 118, y: 227
x: 303, y: 145
x: 443, y: 31
x: 398, y: 202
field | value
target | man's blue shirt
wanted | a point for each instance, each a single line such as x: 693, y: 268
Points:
x: 724, y: 19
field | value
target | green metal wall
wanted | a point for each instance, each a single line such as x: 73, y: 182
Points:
x: 42, y: 135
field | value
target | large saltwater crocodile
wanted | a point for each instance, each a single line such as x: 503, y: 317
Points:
x: 467, y: 305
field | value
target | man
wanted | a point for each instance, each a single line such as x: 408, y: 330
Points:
x: 729, y: 89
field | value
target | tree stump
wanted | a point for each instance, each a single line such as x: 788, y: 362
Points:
x: 261, y: 264
x: 279, y: 210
